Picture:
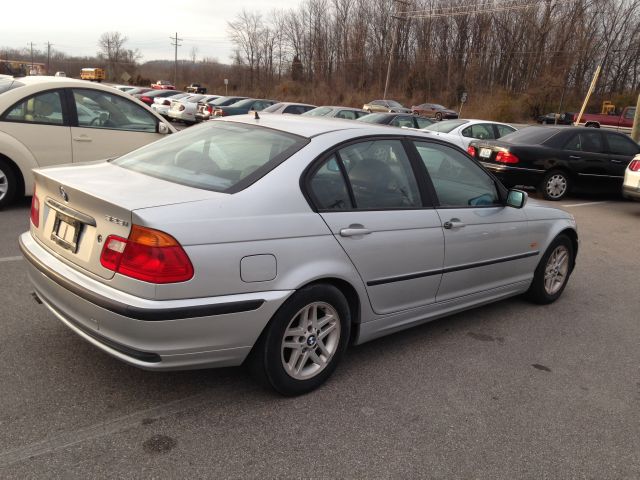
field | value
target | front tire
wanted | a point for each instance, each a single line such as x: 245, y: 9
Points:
x: 438, y: 116
x: 304, y: 341
x: 555, y: 185
x: 8, y: 183
x: 553, y: 272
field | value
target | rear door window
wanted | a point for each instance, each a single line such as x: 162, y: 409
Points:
x: 504, y: 130
x: 348, y: 114
x: 620, y: 145
x: 481, y: 131
x: 380, y: 175
x: 402, y: 121
x: 586, y: 142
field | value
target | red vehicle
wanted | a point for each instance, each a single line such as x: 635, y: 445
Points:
x: 620, y: 123
x: 163, y: 85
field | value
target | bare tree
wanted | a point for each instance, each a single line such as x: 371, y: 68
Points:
x: 111, y: 48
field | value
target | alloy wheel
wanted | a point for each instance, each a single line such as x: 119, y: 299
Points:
x: 310, y: 340
x: 556, y: 270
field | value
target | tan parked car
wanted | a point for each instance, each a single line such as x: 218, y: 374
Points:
x: 385, y: 106
x: 48, y: 121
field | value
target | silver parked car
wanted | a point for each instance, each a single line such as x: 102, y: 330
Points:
x: 278, y: 241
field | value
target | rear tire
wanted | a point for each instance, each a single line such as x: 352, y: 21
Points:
x: 8, y: 183
x: 304, y: 342
x: 553, y: 272
x: 555, y: 185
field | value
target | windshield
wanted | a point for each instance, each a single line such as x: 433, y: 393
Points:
x: 217, y: 157
x: 7, y: 84
x: 446, y: 126
x: 530, y: 135
x: 318, y: 112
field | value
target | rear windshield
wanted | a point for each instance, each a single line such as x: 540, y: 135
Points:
x: 373, y: 118
x: 446, y: 126
x: 530, y: 135
x: 219, y: 156
x: 318, y: 112
x: 7, y: 84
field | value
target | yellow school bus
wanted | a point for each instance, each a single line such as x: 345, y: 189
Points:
x: 93, y: 74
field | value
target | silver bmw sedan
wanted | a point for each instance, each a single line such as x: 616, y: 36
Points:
x: 280, y: 241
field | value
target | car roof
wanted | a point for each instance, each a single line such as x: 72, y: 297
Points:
x: 312, y: 126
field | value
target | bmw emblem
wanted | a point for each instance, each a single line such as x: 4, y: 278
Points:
x: 63, y: 194
x: 311, y: 341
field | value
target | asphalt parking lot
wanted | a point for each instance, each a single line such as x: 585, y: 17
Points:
x: 511, y: 390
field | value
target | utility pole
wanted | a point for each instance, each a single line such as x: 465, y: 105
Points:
x: 31, y: 69
x: 394, y: 40
x: 48, y: 56
x: 175, y: 43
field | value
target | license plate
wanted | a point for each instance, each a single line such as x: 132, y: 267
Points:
x: 485, y: 152
x: 66, y: 231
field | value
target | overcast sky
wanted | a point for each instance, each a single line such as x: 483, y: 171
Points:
x: 74, y: 26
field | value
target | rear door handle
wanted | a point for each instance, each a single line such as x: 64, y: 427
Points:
x: 453, y: 223
x: 575, y: 157
x: 82, y: 138
x: 354, y: 231
x: 613, y: 160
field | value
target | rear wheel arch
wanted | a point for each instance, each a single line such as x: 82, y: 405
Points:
x: 592, y: 125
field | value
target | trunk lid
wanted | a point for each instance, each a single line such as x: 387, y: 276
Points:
x: 82, y: 205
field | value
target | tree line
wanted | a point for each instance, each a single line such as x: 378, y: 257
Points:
x: 522, y: 54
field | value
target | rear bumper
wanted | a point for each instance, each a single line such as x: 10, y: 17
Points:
x: 150, y: 334
x: 632, y: 193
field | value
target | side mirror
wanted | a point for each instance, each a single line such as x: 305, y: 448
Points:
x: 163, y: 128
x: 517, y: 198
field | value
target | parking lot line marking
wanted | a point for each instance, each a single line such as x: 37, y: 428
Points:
x: 585, y: 204
x: 69, y: 439
x: 11, y: 259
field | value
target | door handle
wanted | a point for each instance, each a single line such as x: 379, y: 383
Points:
x: 613, y: 160
x: 453, y: 223
x: 82, y: 138
x: 575, y: 157
x: 353, y: 231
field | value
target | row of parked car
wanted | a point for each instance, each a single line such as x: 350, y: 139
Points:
x: 103, y: 121
x: 556, y: 161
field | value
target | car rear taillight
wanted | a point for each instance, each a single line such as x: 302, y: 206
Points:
x: 506, y: 157
x: 634, y: 166
x: 148, y: 255
x: 146, y: 99
x: 166, y: 102
x: 209, y: 109
x: 471, y: 150
x: 35, y: 210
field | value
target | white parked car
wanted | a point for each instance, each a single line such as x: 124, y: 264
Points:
x: 462, y: 132
x: 631, y: 184
x: 55, y: 120
x: 161, y: 105
x: 185, y: 109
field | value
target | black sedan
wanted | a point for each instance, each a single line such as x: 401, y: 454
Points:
x: 556, y: 160
x: 397, y: 120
